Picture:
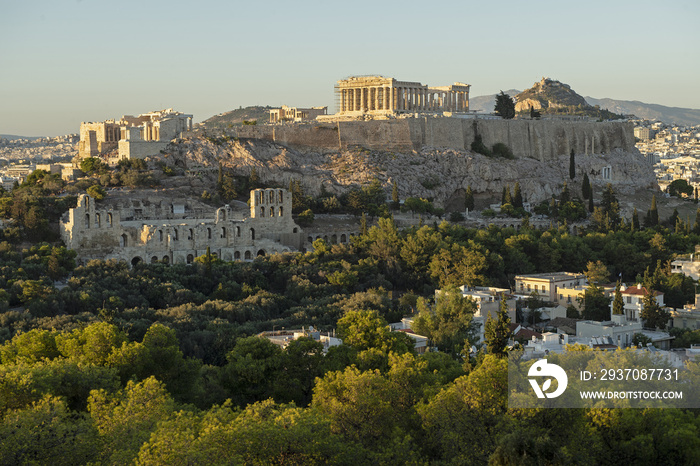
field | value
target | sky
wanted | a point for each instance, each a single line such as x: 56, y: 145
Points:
x: 63, y: 62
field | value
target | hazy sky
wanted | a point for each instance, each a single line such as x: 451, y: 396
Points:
x: 63, y: 62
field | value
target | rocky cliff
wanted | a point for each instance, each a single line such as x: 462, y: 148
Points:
x: 426, y: 160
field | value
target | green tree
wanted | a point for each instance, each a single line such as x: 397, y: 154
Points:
x: 653, y: 213
x: 90, y: 165
x: 565, y: 196
x: 97, y: 192
x: 469, y: 199
x: 497, y: 331
x: 635, y: 220
x: 653, y: 315
x: 679, y: 187
x: 517, y: 196
x: 618, y: 304
x: 505, y: 106
x: 572, y: 165
x: 394, y: 196
x: 586, y: 187
x: 448, y: 322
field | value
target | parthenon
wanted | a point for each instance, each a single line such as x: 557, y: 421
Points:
x: 381, y: 95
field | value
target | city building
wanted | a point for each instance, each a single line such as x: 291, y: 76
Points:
x: 283, y: 338
x: 688, y: 265
x: 359, y: 95
x: 633, y: 298
x: 547, y: 285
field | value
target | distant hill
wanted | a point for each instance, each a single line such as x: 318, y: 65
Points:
x: 486, y: 103
x: 236, y: 117
x: 14, y: 136
x: 669, y: 115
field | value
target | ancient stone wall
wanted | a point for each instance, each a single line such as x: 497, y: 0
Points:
x: 538, y: 139
x: 145, y: 232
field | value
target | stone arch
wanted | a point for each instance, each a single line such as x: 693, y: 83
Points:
x: 334, y: 239
x: 281, y: 210
x: 295, y: 230
x: 252, y: 233
x: 238, y: 232
x: 262, y: 211
x: 123, y: 241
x: 261, y: 252
x: 208, y: 233
x: 237, y: 255
x: 317, y: 237
x: 166, y: 259
x: 135, y: 261
x: 325, y: 238
x: 190, y: 258
x: 343, y: 238
x: 310, y: 239
x: 190, y: 234
x: 247, y: 255
x: 175, y: 234
x: 109, y: 219
x: 272, y: 197
x: 280, y: 196
x: 160, y: 235
x: 154, y: 259
x: 223, y: 232
x: 272, y: 211
x: 87, y: 220
x: 98, y: 220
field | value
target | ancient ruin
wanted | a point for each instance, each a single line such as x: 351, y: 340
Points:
x: 295, y: 114
x: 379, y: 95
x: 177, y: 232
x: 132, y: 137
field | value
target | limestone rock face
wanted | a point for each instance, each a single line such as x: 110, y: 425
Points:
x: 548, y: 93
x: 431, y: 172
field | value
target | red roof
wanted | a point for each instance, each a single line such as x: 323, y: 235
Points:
x: 633, y: 290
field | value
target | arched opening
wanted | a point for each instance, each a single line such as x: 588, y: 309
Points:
x: 252, y: 233
x: 247, y: 255
x: 237, y: 255
x: 223, y: 232
x: 310, y: 239
x: 325, y: 238
x: 295, y: 230
x: 154, y: 259
x: 261, y: 253
x: 343, y: 238
x: 166, y: 259
x: 281, y: 209
x: 175, y: 234
x: 190, y: 234
x: 279, y: 196
x: 98, y: 221
x: 262, y: 211
x: 109, y: 220
x: 190, y: 258
x: 272, y: 197
x: 262, y: 197
x: 238, y: 231
x: 123, y: 241
x: 334, y: 239
x: 160, y: 235
x: 87, y: 220
x: 208, y: 233
x: 318, y: 237
x: 272, y: 211
x: 135, y: 261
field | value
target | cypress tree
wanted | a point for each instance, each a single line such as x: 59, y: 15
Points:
x: 553, y: 211
x: 517, y: 196
x: 673, y: 219
x: 509, y: 198
x: 503, y: 196
x: 572, y: 165
x: 590, y: 202
x: 696, y: 227
x: 586, y: 186
x: 497, y: 331
x: 653, y: 213
x: 565, y: 196
x: 618, y: 305
x: 469, y: 199
x: 635, y: 220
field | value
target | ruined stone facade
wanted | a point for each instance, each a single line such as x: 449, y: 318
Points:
x: 132, y: 137
x: 285, y: 113
x: 379, y: 95
x: 139, y: 230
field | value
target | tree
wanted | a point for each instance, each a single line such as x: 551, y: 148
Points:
x: 673, y: 219
x: 696, y: 225
x: 394, y: 196
x: 618, y: 304
x: 635, y: 220
x: 572, y: 165
x: 679, y: 187
x: 591, y: 207
x: 517, y: 196
x: 565, y: 196
x: 90, y: 165
x: 597, y: 272
x: 586, y: 187
x: 448, y: 322
x: 596, y: 304
x: 652, y: 314
x: 469, y: 199
x: 97, y: 192
x: 497, y: 331
x: 653, y: 213
x: 505, y: 106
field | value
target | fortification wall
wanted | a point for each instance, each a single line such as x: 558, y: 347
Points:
x: 538, y: 139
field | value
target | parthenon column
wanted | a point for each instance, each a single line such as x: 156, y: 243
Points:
x: 376, y: 98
